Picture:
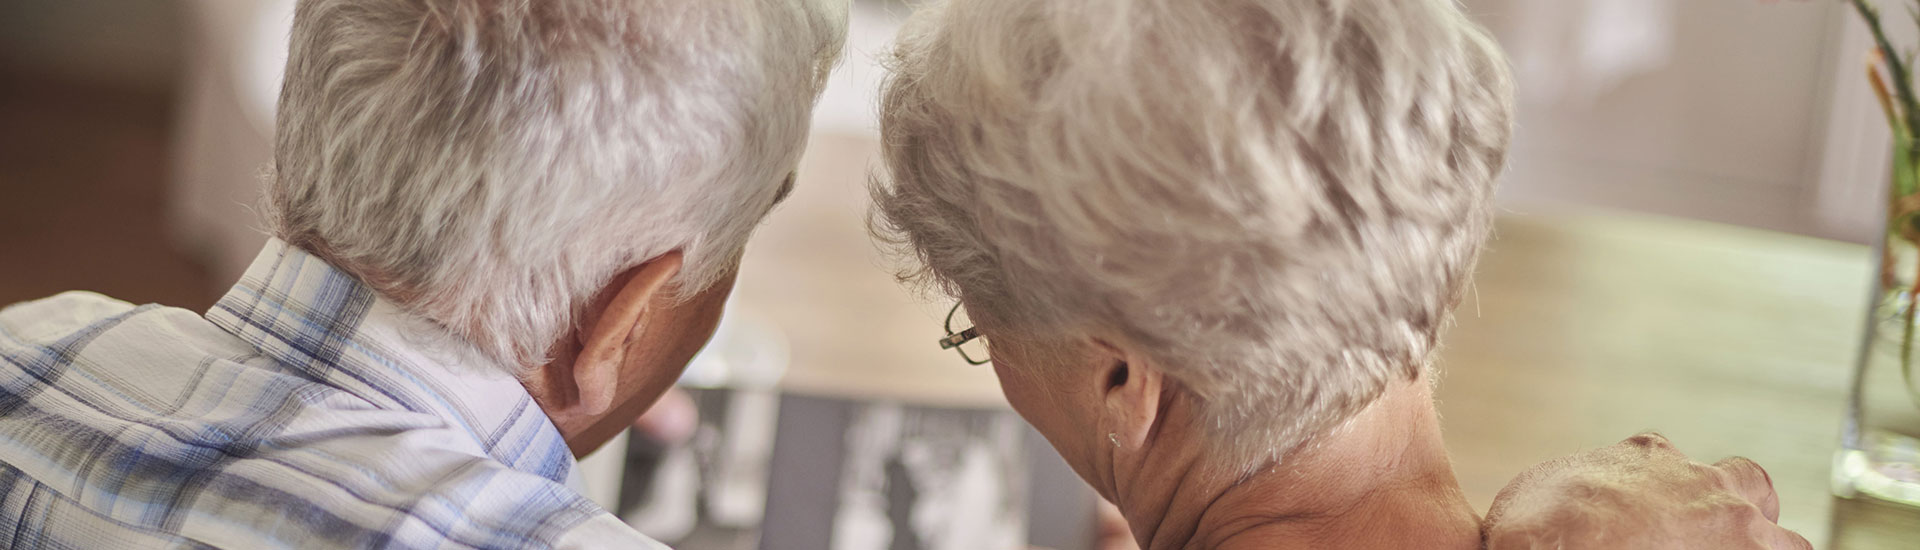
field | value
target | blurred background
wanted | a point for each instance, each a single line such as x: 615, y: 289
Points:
x: 133, y: 135
x: 157, y: 115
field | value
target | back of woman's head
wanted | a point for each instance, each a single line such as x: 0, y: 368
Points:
x: 1281, y: 200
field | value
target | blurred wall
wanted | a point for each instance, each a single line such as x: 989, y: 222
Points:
x: 133, y: 43
x: 1714, y: 110
x: 1743, y: 111
x: 86, y: 118
x: 1738, y: 111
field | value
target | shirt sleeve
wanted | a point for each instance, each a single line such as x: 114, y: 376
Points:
x: 606, y: 532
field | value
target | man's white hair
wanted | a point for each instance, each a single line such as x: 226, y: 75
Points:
x: 491, y: 165
x: 1280, y: 200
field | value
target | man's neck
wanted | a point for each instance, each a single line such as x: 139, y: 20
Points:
x: 1382, y: 480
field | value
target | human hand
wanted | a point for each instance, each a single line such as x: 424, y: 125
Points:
x: 1640, y: 493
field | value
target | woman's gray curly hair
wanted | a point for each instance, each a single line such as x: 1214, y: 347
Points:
x: 1282, y: 200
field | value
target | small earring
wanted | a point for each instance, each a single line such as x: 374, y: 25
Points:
x: 1115, y: 438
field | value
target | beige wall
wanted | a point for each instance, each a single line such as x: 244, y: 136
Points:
x: 1736, y: 111
x: 1715, y: 110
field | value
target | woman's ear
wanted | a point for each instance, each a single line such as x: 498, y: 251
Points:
x: 1130, y: 390
x: 595, y: 371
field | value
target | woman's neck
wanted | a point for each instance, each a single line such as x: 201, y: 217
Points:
x: 1382, y: 480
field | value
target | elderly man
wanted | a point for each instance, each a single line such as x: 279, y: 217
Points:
x: 503, y: 228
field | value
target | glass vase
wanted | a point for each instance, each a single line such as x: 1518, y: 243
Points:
x: 1879, y: 456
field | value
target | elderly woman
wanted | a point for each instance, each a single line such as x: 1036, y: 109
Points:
x: 1213, y: 245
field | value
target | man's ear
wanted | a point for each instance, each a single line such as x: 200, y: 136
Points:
x: 1130, y: 391
x: 603, y: 338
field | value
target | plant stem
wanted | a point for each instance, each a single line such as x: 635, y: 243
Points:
x: 1896, y: 67
x: 1906, y: 340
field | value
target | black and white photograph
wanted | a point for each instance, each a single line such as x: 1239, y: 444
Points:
x: 928, y: 479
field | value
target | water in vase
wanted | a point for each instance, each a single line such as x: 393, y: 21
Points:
x: 1880, y: 443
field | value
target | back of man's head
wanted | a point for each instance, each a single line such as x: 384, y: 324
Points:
x: 491, y: 165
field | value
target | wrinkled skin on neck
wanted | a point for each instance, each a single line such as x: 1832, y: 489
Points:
x: 1381, y: 480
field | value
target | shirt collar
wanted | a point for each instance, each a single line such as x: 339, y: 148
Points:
x: 324, y: 325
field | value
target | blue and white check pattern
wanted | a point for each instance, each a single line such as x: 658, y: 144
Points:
x: 301, y: 411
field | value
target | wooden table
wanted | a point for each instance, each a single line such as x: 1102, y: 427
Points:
x: 1584, y: 329
x: 1588, y: 328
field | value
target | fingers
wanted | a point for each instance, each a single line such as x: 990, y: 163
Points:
x: 1648, y: 446
x: 1649, y: 440
x: 1738, y: 474
x: 1747, y: 479
x: 1786, y: 539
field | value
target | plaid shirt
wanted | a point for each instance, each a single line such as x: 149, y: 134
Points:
x: 301, y: 411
